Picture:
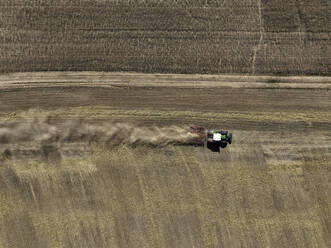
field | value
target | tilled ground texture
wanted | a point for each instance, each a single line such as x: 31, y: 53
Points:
x: 102, y: 160
x: 192, y: 36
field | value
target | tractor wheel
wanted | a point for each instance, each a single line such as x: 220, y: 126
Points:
x: 230, y: 138
x: 223, y: 145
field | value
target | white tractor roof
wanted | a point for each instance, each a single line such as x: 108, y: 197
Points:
x: 217, y: 137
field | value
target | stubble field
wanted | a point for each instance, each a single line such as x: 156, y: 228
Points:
x: 97, y: 159
x: 270, y: 188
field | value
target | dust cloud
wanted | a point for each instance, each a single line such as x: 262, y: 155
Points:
x: 46, y: 132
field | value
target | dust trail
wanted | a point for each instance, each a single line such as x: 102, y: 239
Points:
x: 42, y: 131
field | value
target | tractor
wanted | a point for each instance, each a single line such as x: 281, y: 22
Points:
x: 218, y: 139
x: 212, y: 139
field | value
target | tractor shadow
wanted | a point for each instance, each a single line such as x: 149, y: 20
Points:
x: 214, y: 147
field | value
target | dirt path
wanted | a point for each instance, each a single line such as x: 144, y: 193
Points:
x: 238, y: 102
x: 212, y: 93
x: 290, y: 107
x: 111, y: 79
x: 235, y: 102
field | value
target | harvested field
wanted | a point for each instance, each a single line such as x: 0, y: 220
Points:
x: 193, y: 36
x: 62, y: 184
x: 92, y: 157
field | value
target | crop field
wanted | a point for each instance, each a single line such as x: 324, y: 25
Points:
x: 192, y: 36
x: 102, y: 160
x: 97, y: 143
